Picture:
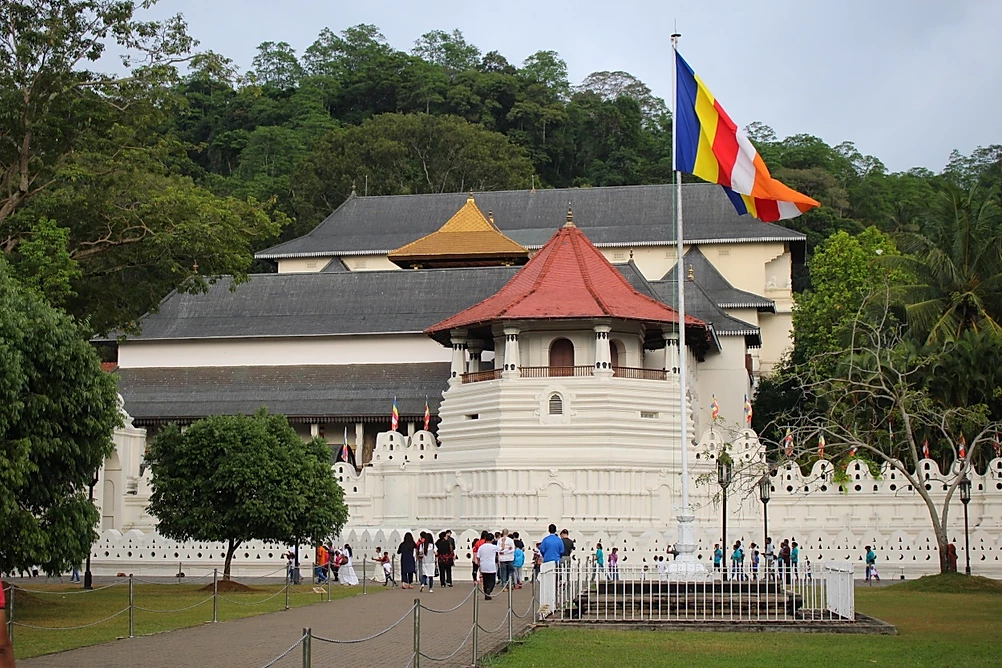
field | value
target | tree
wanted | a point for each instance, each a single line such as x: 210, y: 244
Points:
x: 956, y: 260
x: 405, y: 154
x: 48, y: 102
x: 874, y: 406
x: 58, y: 410
x: 235, y: 478
x: 276, y: 65
x: 450, y: 51
x: 610, y: 85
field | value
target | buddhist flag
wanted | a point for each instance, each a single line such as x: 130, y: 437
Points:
x: 344, y: 447
x: 852, y: 452
x: 427, y: 414
x: 997, y: 443
x: 714, y: 408
x: 788, y: 442
x: 963, y: 447
x: 748, y: 411
x: 395, y: 417
x: 925, y: 448
x: 821, y: 446
x: 711, y: 146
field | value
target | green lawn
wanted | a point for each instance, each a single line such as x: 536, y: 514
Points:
x: 58, y: 607
x: 936, y: 628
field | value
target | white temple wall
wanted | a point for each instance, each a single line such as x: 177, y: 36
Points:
x: 777, y: 338
x: 720, y: 376
x: 283, y: 351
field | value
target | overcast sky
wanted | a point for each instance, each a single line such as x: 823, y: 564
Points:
x: 906, y: 80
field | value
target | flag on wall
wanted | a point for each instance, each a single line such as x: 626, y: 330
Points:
x: 821, y: 446
x: 997, y: 443
x: 852, y: 452
x: 344, y: 447
x: 748, y: 411
x: 925, y: 448
x: 711, y: 146
x: 427, y: 414
x: 963, y: 447
x: 395, y: 417
x: 788, y: 442
x: 714, y: 408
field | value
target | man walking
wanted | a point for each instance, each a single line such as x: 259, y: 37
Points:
x: 506, y: 559
x: 552, y: 548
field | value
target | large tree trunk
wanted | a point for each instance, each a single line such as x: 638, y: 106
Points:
x: 233, y: 545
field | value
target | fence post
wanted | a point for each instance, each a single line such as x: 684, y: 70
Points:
x: 215, y: 595
x: 10, y: 615
x: 132, y: 609
x: 476, y: 621
x: 287, y: 585
x: 509, y: 609
x: 307, y: 647
x: 364, y: 578
x: 330, y: 585
x: 417, y: 633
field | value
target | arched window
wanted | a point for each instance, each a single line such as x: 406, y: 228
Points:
x: 561, y: 358
x: 556, y: 405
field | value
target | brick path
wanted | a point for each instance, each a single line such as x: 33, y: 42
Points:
x: 254, y: 641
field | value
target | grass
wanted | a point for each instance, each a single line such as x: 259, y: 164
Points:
x: 940, y: 621
x: 65, y: 606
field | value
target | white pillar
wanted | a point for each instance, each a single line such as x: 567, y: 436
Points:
x: 458, y: 337
x: 671, y: 351
x: 511, y: 354
x: 411, y: 428
x: 475, y: 348
x: 603, y: 355
x: 314, y: 430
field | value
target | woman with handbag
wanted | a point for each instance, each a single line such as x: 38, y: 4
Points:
x: 446, y: 558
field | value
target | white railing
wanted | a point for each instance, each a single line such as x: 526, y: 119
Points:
x: 582, y: 592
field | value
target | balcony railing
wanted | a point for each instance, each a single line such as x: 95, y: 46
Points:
x: 632, y: 373
x: 478, y: 376
x: 640, y: 374
x: 554, y: 371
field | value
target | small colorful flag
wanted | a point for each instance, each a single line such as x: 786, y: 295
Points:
x: 711, y: 146
x: 344, y: 447
x: 925, y: 448
x: 427, y: 414
x: 963, y: 447
x: 395, y: 417
x: 714, y: 408
x: 890, y: 429
x: 852, y: 452
x: 748, y: 411
x: 821, y: 446
x: 997, y: 443
x: 788, y: 442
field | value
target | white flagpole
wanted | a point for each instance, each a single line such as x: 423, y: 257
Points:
x: 686, y: 518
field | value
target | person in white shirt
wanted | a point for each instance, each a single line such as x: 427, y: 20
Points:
x: 487, y: 554
x: 506, y: 559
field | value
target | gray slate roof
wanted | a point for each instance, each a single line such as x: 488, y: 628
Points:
x: 716, y: 286
x: 700, y: 304
x: 610, y: 216
x: 303, y: 393
x: 338, y: 303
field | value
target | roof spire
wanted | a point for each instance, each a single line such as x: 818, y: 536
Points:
x: 352, y: 188
x: 691, y: 273
x: 470, y: 198
x: 570, y: 216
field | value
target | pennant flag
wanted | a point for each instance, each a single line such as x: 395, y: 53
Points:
x: 788, y: 441
x: 997, y: 443
x: 925, y: 448
x: 963, y: 447
x: 395, y: 417
x: 748, y: 411
x: 890, y: 430
x: 427, y: 414
x: 714, y: 408
x: 711, y: 146
x: 821, y: 446
x: 344, y: 447
x: 852, y: 453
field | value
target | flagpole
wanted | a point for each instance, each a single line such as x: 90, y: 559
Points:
x: 686, y: 518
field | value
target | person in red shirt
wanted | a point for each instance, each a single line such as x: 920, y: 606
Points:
x: 484, y: 536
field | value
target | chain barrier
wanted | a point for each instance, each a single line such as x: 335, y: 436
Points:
x: 185, y: 580
x: 504, y: 620
x: 286, y: 653
x: 72, y: 628
x: 58, y: 592
x: 452, y: 609
x: 372, y: 637
x: 190, y: 607
x: 454, y: 653
x: 264, y: 600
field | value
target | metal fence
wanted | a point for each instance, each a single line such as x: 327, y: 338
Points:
x: 586, y: 592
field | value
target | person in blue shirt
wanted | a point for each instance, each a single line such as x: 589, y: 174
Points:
x: 795, y: 559
x: 552, y: 548
x: 718, y: 556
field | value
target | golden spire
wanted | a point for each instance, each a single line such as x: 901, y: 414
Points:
x: 570, y: 216
x: 691, y: 274
x: 470, y: 198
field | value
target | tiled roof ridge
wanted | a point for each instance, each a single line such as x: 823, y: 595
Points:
x: 586, y: 270
x: 547, y: 263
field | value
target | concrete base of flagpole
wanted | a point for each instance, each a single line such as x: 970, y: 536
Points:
x: 686, y: 565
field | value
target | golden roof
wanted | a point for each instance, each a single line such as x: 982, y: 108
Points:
x: 467, y: 235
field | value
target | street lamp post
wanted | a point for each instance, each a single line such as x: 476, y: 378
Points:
x: 764, y: 494
x: 88, y: 578
x: 724, y: 470
x: 965, y: 498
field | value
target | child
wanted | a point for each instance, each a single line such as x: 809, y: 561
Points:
x: 662, y: 568
x: 754, y: 564
x: 387, y: 569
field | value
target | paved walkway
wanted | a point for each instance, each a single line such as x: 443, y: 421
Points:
x: 255, y: 641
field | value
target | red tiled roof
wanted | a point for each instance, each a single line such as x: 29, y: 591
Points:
x: 108, y: 367
x: 567, y: 278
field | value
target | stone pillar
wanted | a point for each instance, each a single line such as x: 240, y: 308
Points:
x: 475, y: 348
x: 603, y: 355
x: 458, y: 337
x: 314, y: 430
x: 511, y: 354
x: 671, y: 351
x: 363, y: 455
x: 411, y: 428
